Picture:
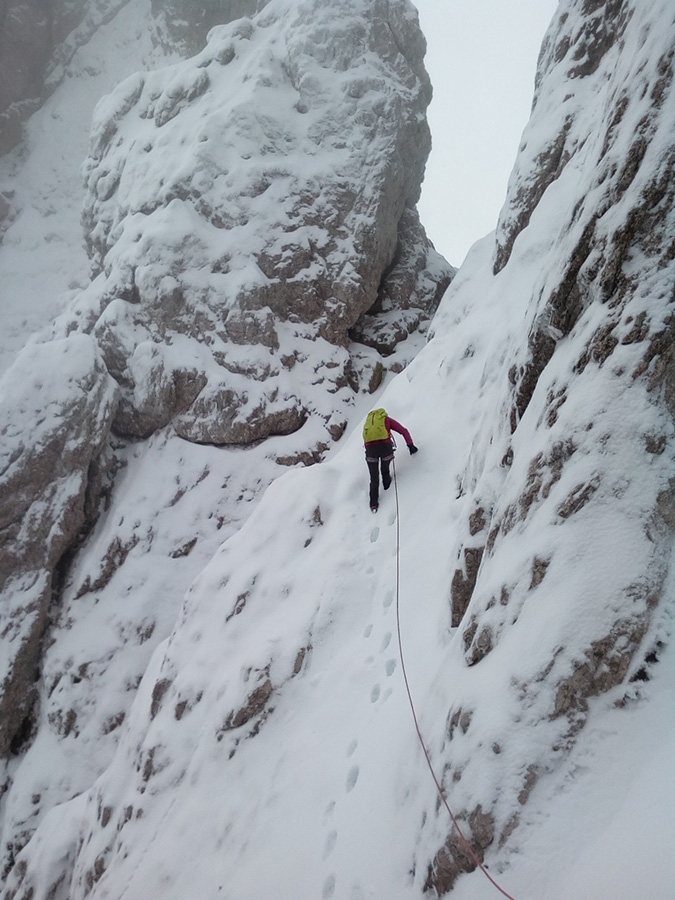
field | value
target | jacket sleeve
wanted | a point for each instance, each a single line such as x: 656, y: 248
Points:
x: 393, y: 425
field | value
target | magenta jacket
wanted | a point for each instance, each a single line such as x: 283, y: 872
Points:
x: 392, y: 425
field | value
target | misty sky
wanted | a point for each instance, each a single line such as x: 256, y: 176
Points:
x: 481, y: 57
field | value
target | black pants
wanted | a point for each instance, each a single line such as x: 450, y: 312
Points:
x: 379, y: 457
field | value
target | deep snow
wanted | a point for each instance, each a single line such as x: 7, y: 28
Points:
x: 331, y: 798
x: 334, y: 785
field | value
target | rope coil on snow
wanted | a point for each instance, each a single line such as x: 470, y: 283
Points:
x: 467, y: 844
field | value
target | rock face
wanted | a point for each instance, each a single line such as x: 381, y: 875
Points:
x: 187, y: 24
x: 246, y: 208
x: 260, y: 730
x: 601, y: 324
x: 258, y: 261
x: 54, y: 430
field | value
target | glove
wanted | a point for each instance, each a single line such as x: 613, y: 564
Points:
x: 412, y: 448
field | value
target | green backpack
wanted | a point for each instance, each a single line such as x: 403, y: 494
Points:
x: 375, y: 429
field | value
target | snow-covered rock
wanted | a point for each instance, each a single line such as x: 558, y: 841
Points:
x: 569, y: 508
x: 167, y: 508
x: 525, y: 558
x: 243, y: 211
x: 53, y: 431
x: 186, y: 24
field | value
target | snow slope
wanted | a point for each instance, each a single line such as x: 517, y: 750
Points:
x: 270, y: 750
x: 319, y: 787
x: 163, y: 508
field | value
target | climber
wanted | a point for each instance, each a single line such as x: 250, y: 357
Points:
x: 380, y: 446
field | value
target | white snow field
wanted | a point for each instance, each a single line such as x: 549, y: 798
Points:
x: 270, y: 751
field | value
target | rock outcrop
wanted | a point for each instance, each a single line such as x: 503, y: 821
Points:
x: 246, y: 208
x: 272, y: 723
x: 600, y: 325
x: 257, y: 263
x: 187, y: 24
x: 54, y: 429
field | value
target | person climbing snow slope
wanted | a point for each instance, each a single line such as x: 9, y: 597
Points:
x: 380, y: 446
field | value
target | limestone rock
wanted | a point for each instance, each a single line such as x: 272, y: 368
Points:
x: 251, y: 205
x: 245, y: 209
x: 409, y: 292
x: 609, y: 185
x: 187, y: 24
x: 57, y: 405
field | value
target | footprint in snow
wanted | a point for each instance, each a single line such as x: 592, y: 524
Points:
x: 330, y: 844
x: 374, y: 534
x: 389, y: 667
x: 386, y: 640
x: 352, y: 747
x: 352, y: 778
x: 392, y: 517
x: 388, y: 599
x: 328, y: 887
x: 368, y: 631
x: 375, y: 693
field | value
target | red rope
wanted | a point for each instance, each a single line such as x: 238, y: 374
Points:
x: 441, y: 794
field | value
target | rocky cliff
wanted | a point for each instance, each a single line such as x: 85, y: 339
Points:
x: 525, y: 560
x: 255, y: 225
x: 257, y: 266
x: 584, y: 445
